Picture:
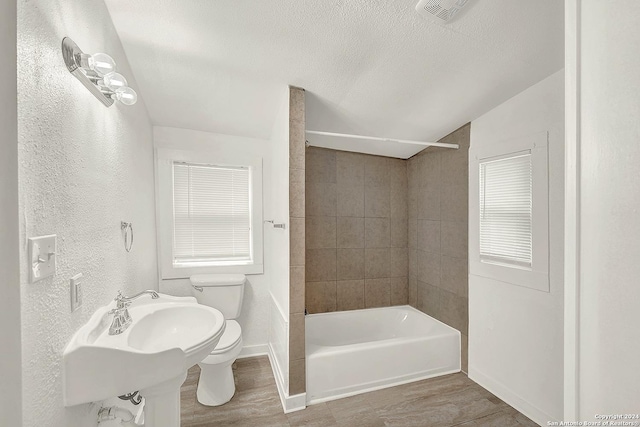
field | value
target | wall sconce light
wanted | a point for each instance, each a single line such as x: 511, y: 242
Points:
x: 97, y: 73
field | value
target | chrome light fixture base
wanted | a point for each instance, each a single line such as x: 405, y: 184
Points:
x: 72, y: 55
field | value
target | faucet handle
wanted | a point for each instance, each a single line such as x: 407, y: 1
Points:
x: 120, y: 301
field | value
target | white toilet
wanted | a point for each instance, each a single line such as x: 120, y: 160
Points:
x: 223, y: 292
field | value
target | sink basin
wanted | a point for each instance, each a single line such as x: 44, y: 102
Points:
x: 168, y: 335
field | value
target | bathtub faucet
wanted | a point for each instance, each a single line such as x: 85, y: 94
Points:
x: 121, y: 317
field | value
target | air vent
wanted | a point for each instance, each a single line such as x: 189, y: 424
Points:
x: 442, y: 10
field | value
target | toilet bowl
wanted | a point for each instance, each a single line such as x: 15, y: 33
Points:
x: 216, y: 386
x: 224, y: 292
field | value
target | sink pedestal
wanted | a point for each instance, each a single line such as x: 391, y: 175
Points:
x: 162, y: 403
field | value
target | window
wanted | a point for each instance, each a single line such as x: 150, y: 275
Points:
x: 209, y: 213
x: 509, y: 221
x: 505, y: 210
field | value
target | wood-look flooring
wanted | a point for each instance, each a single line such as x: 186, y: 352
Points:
x: 452, y: 400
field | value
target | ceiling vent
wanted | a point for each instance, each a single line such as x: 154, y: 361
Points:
x: 442, y: 10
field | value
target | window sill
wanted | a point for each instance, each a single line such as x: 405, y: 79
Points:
x: 186, y: 272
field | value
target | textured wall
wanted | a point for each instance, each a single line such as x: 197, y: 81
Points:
x: 438, y: 218
x: 513, y: 326
x: 82, y: 168
x: 356, y: 231
x: 297, y: 370
x: 10, y: 396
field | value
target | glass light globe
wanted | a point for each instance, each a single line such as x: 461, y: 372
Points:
x: 101, y: 63
x: 114, y: 81
x: 126, y: 95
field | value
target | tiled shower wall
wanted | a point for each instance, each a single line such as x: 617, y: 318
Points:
x: 356, y: 231
x: 297, y: 373
x: 438, y: 233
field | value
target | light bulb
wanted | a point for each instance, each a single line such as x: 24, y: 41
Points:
x: 101, y: 63
x: 114, y: 81
x: 126, y: 95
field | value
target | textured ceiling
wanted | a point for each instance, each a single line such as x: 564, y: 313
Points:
x: 373, y: 67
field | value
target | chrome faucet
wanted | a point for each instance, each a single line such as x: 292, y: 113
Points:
x: 121, y: 318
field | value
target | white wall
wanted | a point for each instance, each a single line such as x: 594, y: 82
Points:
x: 278, y: 255
x: 255, y: 307
x: 608, y: 218
x: 516, y: 333
x: 10, y: 385
x: 82, y: 169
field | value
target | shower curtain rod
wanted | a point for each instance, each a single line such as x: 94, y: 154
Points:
x: 375, y: 138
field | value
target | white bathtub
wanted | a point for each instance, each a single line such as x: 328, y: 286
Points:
x: 352, y: 352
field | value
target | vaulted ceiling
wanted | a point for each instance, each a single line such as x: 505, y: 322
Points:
x: 373, y: 67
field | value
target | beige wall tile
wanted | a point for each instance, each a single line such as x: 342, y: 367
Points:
x: 412, y: 233
x: 413, y: 263
x: 376, y: 171
x: 397, y: 173
x: 296, y: 104
x: 399, y: 233
x: 455, y: 238
x: 455, y: 311
x: 297, y: 377
x: 455, y: 167
x: 429, y: 300
x: 296, y: 175
x: 296, y: 144
x: 377, y: 293
x: 350, y: 264
x: 428, y: 267
x: 297, y: 241
x: 429, y: 202
x: 320, y: 199
x: 297, y: 199
x: 320, y: 265
x: 454, y: 276
x: 350, y: 168
x: 296, y: 289
x: 350, y: 295
x: 320, y: 232
x: 413, y: 291
x: 320, y: 297
x: 350, y: 200
x: 376, y: 263
x: 398, y: 262
x: 429, y: 169
x: 376, y: 202
x: 429, y: 235
x: 320, y: 165
x: 464, y: 341
x: 377, y: 233
x: 350, y: 232
x: 399, y: 287
x: 398, y: 202
x: 296, y: 336
x: 455, y: 206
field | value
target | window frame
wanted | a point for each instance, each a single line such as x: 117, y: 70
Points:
x: 164, y: 211
x: 537, y: 276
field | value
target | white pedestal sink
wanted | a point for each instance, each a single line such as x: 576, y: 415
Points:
x: 167, y: 337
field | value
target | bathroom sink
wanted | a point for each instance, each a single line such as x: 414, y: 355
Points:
x: 167, y: 336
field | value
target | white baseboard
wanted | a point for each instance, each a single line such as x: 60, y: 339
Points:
x: 293, y: 403
x: 254, y: 350
x: 511, y: 398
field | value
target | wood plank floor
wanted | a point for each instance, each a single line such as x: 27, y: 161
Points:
x: 452, y: 400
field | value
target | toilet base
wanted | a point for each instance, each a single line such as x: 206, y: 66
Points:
x: 216, y: 385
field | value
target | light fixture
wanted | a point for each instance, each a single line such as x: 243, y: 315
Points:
x: 97, y: 73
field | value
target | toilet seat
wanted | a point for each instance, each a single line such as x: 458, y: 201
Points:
x: 229, y: 345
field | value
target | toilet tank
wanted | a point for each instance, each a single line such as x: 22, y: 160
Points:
x: 223, y: 292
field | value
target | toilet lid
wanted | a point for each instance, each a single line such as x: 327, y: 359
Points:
x: 230, y: 337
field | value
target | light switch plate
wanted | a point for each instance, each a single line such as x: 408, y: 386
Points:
x: 42, y: 256
x: 76, y: 291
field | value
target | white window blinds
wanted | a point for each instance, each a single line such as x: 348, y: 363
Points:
x: 506, y: 210
x: 212, y: 220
